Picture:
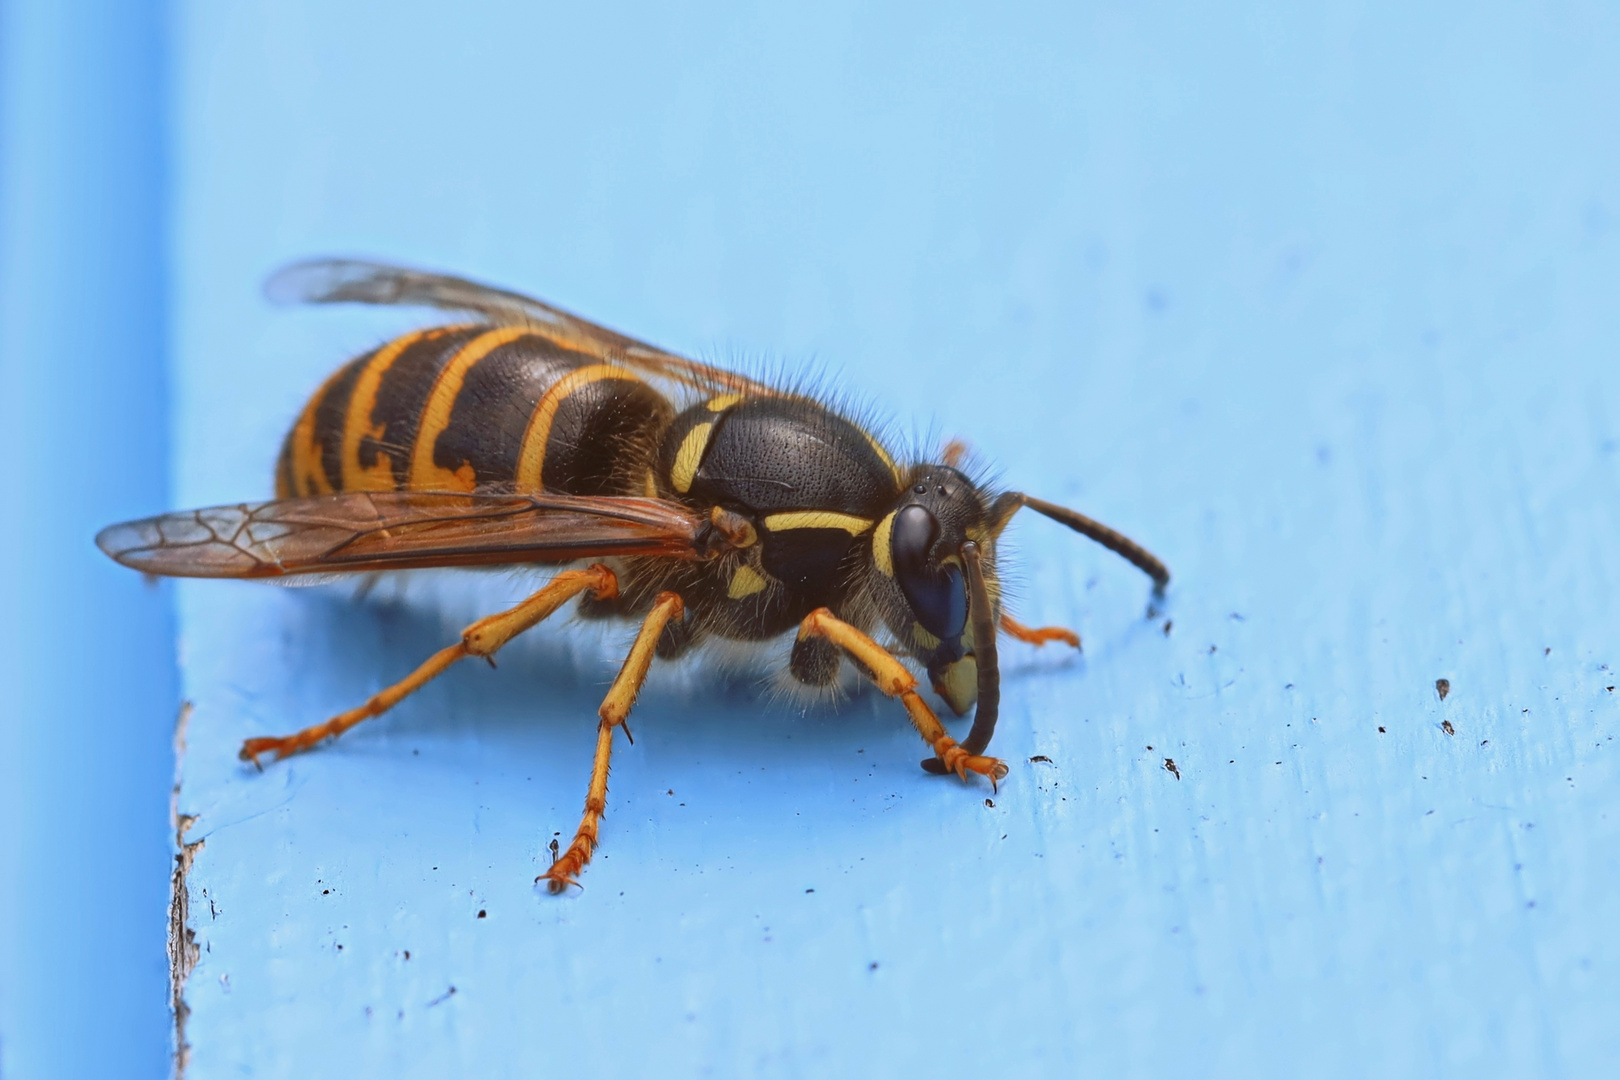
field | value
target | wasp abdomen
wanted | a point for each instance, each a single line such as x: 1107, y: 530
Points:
x: 469, y: 408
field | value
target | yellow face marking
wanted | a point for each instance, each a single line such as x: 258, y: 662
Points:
x: 959, y: 685
x: 880, y: 545
x: 924, y: 640
x: 532, y: 457
x: 817, y: 519
x: 357, y: 422
x: 723, y: 402
x: 745, y: 582
x: 689, y: 456
x: 425, y: 475
x: 308, y: 476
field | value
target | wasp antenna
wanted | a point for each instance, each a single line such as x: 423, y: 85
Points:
x: 984, y: 654
x: 1120, y: 544
x: 984, y: 657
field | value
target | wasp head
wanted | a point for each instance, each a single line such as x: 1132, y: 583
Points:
x: 923, y: 584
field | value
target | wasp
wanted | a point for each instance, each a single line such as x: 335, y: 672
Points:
x: 527, y: 435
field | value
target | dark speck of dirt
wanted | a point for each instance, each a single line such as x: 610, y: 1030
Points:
x: 1445, y: 726
x: 872, y: 966
x: 1610, y: 689
x: 990, y: 803
x: 1168, y: 623
x: 482, y: 913
x: 1170, y: 767
x: 1380, y: 729
x: 1547, y: 651
x: 1442, y: 687
x: 1212, y: 650
x: 809, y: 890
x: 1043, y: 757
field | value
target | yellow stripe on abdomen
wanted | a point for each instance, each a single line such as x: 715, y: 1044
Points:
x: 532, y: 457
x: 357, y: 422
x: 425, y: 474
x: 308, y: 474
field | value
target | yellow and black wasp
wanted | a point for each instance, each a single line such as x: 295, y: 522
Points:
x: 531, y: 436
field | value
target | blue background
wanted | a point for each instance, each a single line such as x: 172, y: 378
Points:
x: 1319, y: 304
x: 86, y: 651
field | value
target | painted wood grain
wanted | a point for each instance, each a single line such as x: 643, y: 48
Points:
x: 1318, y: 304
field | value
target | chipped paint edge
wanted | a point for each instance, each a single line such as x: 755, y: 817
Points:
x: 183, y: 950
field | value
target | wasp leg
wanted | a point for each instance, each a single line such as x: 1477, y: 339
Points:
x: 615, y: 709
x: 482, y: 638
x: 1038, y: 635
x: 891, y: 677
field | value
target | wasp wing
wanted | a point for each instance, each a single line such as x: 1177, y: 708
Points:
x: 403, y: 530
x: 355, y: 281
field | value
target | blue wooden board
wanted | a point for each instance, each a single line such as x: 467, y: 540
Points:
x: 86, y: 648
x: 1319, y: 303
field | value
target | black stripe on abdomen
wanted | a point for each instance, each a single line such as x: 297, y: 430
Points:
x: 596, y: 429
x: 312, y: 453
x: 492, y: 411
x: 402, y: 392
x: 603, y: 438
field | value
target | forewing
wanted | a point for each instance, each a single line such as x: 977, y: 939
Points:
x: 354, y: 281
x: 326, y: 534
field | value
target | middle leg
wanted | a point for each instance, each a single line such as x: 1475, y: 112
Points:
x: 1038, y: 635
x: 614, y: 711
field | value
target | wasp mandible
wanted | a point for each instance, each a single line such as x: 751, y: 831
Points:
x: 528, y: 435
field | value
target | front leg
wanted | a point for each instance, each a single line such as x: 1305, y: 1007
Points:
x: 891, y: 677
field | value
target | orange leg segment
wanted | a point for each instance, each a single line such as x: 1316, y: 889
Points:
x: 615, y: 709
x: 482, y: 638
x: 1038, y: 635
x: 891, y: 677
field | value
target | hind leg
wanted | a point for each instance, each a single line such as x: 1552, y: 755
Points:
x: 1038, y: 635
x: 482, y: 638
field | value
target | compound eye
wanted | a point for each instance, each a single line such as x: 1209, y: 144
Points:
x: 935, y: 593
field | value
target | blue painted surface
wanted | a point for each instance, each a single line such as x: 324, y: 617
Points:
x: 87, y: 653
x: 1319, y: 304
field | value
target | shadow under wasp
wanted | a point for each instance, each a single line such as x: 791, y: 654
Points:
x: 528, y: 435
